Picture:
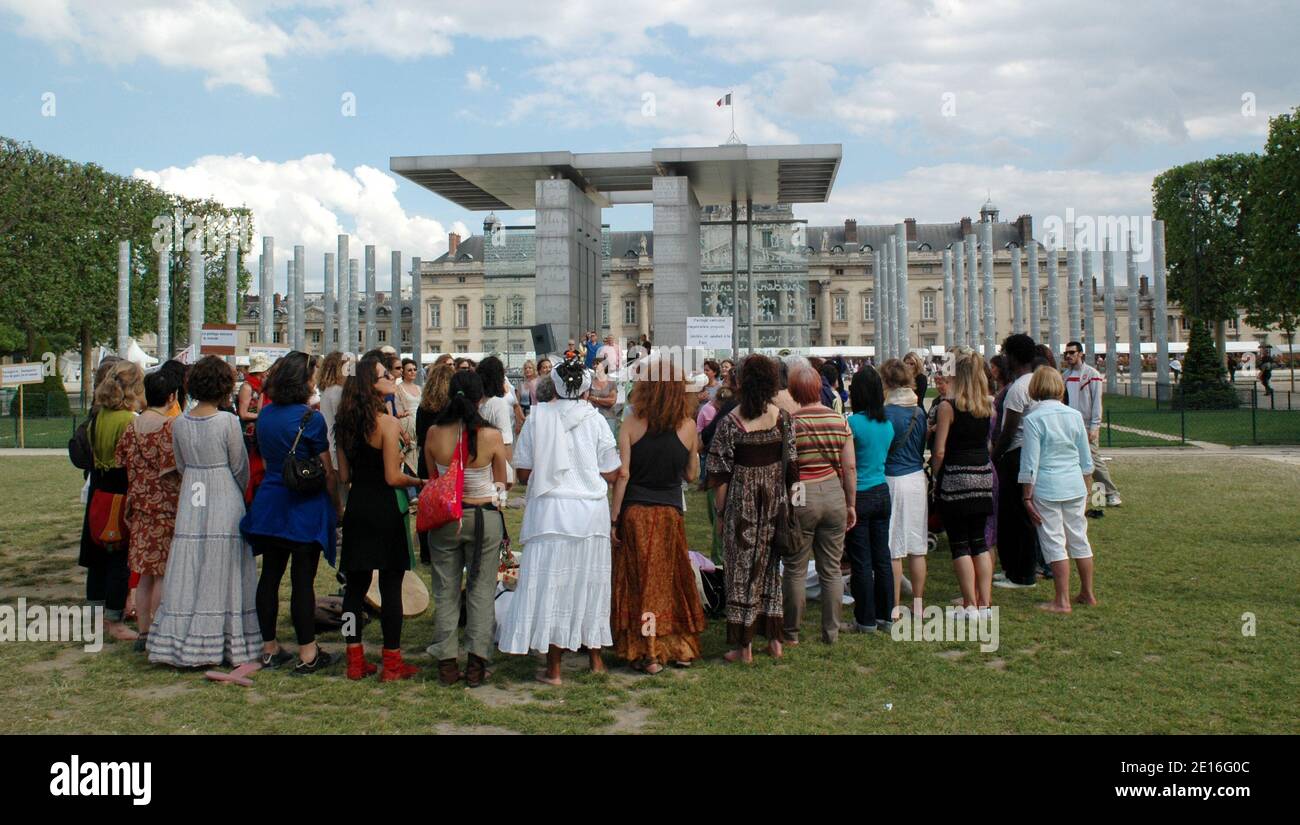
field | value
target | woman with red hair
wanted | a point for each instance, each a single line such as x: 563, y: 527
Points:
x: 653, y: 577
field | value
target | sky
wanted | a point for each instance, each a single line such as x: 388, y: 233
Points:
x: 294, y: 108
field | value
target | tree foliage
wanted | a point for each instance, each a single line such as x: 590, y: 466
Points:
x: 1204, y: 384
x: 1205, y: 206
x: 1273, y: 286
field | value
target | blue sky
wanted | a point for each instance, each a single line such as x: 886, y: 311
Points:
x: 1045, y: 106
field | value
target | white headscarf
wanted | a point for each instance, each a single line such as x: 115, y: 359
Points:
x: 561, y: 390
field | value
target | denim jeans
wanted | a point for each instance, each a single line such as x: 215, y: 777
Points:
x: 872, y: 581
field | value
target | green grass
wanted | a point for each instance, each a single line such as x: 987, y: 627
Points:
x: 1232, y: 427
x: 38, y: 432
x: 1177, y: 567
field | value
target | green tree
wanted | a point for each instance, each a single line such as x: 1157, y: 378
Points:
x: 1204, y: 205
x: 1273, y: 286
x: 1204, y: 384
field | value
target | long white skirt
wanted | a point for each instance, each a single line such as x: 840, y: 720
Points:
x: 908, y: 516
x: 562, y: 598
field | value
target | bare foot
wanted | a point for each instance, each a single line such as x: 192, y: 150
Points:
x: 744, y: 655
x: 774, y: 649
x: 1053, y: 607
x: 122, y: 632
x: 597, y: 664
x: 547, y: 679
x: 1089, y: 599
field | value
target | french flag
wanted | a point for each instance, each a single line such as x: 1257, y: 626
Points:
x: 725, y: 101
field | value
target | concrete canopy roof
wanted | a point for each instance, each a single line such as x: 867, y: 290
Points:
x: 765, y: 174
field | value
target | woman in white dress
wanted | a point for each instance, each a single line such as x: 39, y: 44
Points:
x: 407, y: 400
x: 568, y: 457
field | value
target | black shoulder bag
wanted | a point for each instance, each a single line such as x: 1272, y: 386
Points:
x: 305, y: 476
x: 785, y: 538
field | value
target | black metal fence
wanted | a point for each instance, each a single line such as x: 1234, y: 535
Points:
x: 1146, y: 421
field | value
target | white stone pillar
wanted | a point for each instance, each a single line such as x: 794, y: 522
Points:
x: 123, y: 297
x: 1017, y: 297
x: 327, y: 299
x: 1108, y: 304
x: 197, y: 286
x: 419, y: 316
x: 300, y: 298
x: 372, y: 334
x: 1035, y: 300
x: 1053, y: 302
x: 947, y: 300
x: 267, y: 318
x: 1134, y: 332
x: 975, y: 323
x: 1160, y: 310
x: 354, y: 306
x: 904, y: 313
x: 990, y: 316
x: 347, y: 336
x: 960, y: 327
x: 164, y: 302
x: 395, y: 301
x: 877, y: 308
x: 1074, y: 272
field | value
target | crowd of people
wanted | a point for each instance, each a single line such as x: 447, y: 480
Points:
x: 803, y: 462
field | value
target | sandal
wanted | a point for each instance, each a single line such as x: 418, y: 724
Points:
x: 647, y: 666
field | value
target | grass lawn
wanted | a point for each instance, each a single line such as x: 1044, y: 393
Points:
x: 1231, y: 427
x: 1179, y: 564
x: 38, y: 432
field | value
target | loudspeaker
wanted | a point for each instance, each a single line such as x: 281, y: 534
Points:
x: 543, y: 339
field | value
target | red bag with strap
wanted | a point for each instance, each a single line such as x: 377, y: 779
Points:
x: 442, y: 499
x: 108, y: 520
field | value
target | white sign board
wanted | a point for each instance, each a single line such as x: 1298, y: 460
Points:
x: 708, y: 331
x: 22, y: 374
x: 274, y: 353
x: 218, y: 339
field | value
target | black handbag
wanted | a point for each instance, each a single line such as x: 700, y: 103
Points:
x: 80, y: 450
x: 785, y: 538
x: 305, y: 476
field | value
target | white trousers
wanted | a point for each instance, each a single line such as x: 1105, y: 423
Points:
x: 1064, y: 529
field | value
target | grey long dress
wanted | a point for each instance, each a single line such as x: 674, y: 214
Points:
x: 208, y: 615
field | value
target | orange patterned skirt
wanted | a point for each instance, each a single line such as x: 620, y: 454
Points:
x: 655, y: 610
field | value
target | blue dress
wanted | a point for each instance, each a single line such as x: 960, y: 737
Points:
x: 277, y: 511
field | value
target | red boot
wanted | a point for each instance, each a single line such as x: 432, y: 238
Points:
x: 395, y: 668
x: 358, y: 667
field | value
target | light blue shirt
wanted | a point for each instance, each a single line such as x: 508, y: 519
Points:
x: 1055, y: 456
x: 871, y: 440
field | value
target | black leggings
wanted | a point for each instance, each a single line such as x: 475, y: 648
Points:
x: 276, y: 554
x: 390, y: 608
x: 108, y: 580
x: 965, y: 534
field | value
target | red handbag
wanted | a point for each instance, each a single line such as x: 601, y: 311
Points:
x: 107, y: 520
x: 442, y: 499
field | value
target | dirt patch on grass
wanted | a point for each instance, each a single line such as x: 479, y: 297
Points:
x: 68, y: 659
x: 160, y: 693
x: 996, y: 664
x: 448, y: 729
x: 630, y: 718
x: 510, y: 695
x: 952, y: 655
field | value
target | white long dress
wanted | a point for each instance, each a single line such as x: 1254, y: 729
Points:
x: 564, y: 576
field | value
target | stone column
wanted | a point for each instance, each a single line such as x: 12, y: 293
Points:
x: 888, y: 300
x: 124, y: 295
x: 677, y: 260
x: 354, y: 304
x: 300, y: 297
x: 990, y: 317
x: 1160, y: 309
x: 395, y: 301
x: 197, y: 286
x: 1053, y: 302
x: 642, y: 309
x: 824, y: 297
x: 974, y: 322
x: 1087, y: 295
x: 372, y: 334
x: 947, y: 299
x: 232, y: 281
x: 959, y: 294
x: 268, y: 291
x: 290, y: 304
x: 1035, y: 300
x: 877, y: 308
x: 904, y: 312
x: 1074, y: 272
x: 1134, y: 333
x: 1108, y: 304
x: 1017, y: 298
x: 569, y: 255
x: 419, y: 316
x: 347, y: 337
x: 327, y: 335
x: 164, y: 302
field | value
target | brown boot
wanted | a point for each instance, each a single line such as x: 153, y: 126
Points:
x: 476, y: 672
x: 448, y: 672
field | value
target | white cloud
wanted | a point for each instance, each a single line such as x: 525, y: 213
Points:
x: 477, y: 79
x: 311, y: 201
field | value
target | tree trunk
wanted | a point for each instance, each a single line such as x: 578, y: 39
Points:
x: 86, y: 368
x: 1221, y: 341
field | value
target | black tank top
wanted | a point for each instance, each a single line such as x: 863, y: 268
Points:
x: 967, y: 439
x: 658, y: 464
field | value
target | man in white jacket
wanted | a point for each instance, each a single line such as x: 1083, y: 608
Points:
x: 1083, y: 389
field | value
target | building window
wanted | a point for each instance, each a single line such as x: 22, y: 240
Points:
x: 275, y: 337
x: 868, y: 306
x: 435, y: 316
x: 812, y: 308
x: 839, y: 272
x: 840, y: 306
x: 604, y: 313
x: 461, y: 346
x: 406, y: 335
x: 383, y: 335
x: 516, y: 346
x: 629, y: 311
x: 460, y: 279
x: 927, y: 306
x: 516, y: 317
x: 489, y: 345
x: 1182, y: 323
x: 489, y: 314
x: 930, y: 340
x: 315, y: 335
x: 1232, y: 324
x: 840, y: 342
x: 462, y: 315
x: 767, y: 239
x: 1042, y: 305
x: 435, y: 346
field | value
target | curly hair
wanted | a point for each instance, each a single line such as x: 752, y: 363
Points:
x: 758, y: 385
x: 122, y: 387
x: 434, y: 397
x: 493, y: 373
x: 211, y: 380
x: 333, y: 371
x: 896, y: 375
